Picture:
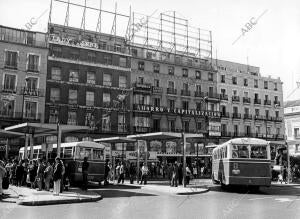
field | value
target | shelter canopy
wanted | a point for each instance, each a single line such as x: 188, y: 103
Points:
x: 114, y: 140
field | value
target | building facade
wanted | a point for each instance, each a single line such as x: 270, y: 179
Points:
x: 292, y: 124
x: 88, y: 82
x: 251, y: 105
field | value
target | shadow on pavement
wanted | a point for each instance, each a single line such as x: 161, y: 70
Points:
x: 114, y: 193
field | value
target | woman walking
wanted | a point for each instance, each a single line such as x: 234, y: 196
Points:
x: 57, y: 175
x: 2, y: 175
x: 48, y: 176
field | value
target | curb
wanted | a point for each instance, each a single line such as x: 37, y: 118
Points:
x: 55, y: 202
x: 193, y: 193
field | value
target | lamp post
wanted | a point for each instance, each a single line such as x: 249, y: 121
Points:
x: 23, y: 99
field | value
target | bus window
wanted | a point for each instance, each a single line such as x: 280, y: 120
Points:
x: 68, y: 152
x: 98, y: 154
x: 83, y: 152
x: 240, y: 151
x: 259, y: 152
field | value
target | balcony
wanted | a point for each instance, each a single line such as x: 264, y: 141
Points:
x: 269, y: 118
x: 247, y: 116
x: 277, y: 119
x: 34, y: 92
x: 257, y: 101
x: 141, y: 129
x: 246, y: 100
x: 142, y: 87
x: 11, y: 65
x: 33, y: 68
x: 276, y: 103
x: 236, y: 98
x: 185, y: 92
x: 157, y: 90
x: 258, y: 117
x: 223, y: 96
x: 213, y: 95
x: 236, y: 116
x: 8, y: 90
x: 122, y: 128
x: 106, y: 127
x: 224, y: 114
x: 199, y: 94
x: 279, y: 137
x: 267, y: 102
x: 171, y: 91
x: 17, y: 116
x: 226, y: 134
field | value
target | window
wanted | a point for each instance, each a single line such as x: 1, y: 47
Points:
x: 156, y: 68
x: 257, y: 112
x: 267, y: 114
x: 56, y: 51
x: 30, y: 109
x: 247, y: 111
x: 296, y: 132
x: 199, y: 126
x: 141, y: 65
x: 171, y: 104
x: 222, y: 78
x: 156, y: 125
x: 74, y: 55
x: 198, y: 74
x: 117, y: 48
x: 198, y: 106
x: 156, y: 83
x: 171, y: 85
x: 266, y: 97
x: 106, y: 98
x: 245, y: 82
x: 53, y: 116
x: 186, y: 126
x: 210, y: 76
x: 56, y: 73
x: 31, y: 83
x: 121, y: 122
x: 275, y: 86
x: 123, y: 62
x: 107, y: 80
x: 102, y: 45
x: 257, y: 129
x: 256, y: 96
x: 134, y: 52
x: 240, y: 151
x: 7, y: 108
x: 11, y: 59
x: 234, y: 92
x: 141, y: 121
x: 185, y: 86
x: 73, y: 76
x: 235, y: 110
x: 9, y: 82
x: 72, y: 118
x: 268, y: 130
x: 33, y: 63
x: 276, y: 114
x: 54, y: 94
x: 185, y: 72
x: 90, y: 98
x: 171, y: 124
x: 210, y: 91
x: 223, y: 92
x: 297, y: 148
x: 248, y: 129
x: 90, y: 78
x: 140, y: 80
x: 91, y: 57
x: 198, y: 88
x: 185, y: 105
x: 277, y: 131
x: 108, y: 59
x: 122, y: 81
x: 234, y: 80
x: 141, y: 99
x: 156, y: 102
x: 171, y: 70
x: 72, y: 96
x: 265, y: 84
x: 255, y: 83
x: 259, y: 152
x: 235, y: 130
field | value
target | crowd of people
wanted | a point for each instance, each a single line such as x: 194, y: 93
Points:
x: 171, y: 171
x: 39, y: 174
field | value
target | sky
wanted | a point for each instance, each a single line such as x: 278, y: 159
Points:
x: 271, y: 42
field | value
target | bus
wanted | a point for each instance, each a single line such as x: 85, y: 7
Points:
x: 242, y: 161
x: 72, y: 154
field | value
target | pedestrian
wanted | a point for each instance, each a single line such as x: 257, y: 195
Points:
x: 145, y: 172
x: 85, y: 168
x: 63, y: 172
x: 40, y: 174
x: 117, y: 171
x: 48, y: 175
x: 32, y: 170
x: 2, y: 175
x: 188, y: 173
x: 121, y: 173
x: 57, y: 174
x: 106, y: 173
x: 132, y: 172
x: 19, y: 173
x: 284, y: 174
x: 174, y: 175
x: 180, y: 174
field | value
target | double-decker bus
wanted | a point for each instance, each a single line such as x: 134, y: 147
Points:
x: 72, y: 154
x: 242, y: 161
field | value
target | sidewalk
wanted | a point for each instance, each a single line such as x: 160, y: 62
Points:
x: 196, y: 186
x: 32, y: 197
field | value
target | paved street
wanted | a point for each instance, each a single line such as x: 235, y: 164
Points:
x: 136, y: 202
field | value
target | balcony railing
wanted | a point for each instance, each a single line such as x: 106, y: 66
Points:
x: 236, y: 115
x: 277, y: 103
x: 157, y: 90
x: 236, y: 98
x: 171, y: 91
x: 223, y: 96
x: 33, y: 68
x: 36, y: 92
x: 11, y: 65
x: 257, y: 101
x: 267, y: 102
x: 258, y: 117
x: 146, y: 86
x: 8, y: 90
x: 277, y: 119
x: 213, y: 95
x: 225, y: 114
x: 199, y: 94
x: 247, y: 116
x: 269, y: 118
x: 27, y: 116
x: 185, y: 92
x: 246, y: 100
x: 141, y: 129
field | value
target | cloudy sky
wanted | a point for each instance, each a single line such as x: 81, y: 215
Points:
x: 273, y: 43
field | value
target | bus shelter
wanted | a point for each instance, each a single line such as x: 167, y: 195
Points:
x: 7, y: 135
x: 32, y: 130
x: 165, y: 136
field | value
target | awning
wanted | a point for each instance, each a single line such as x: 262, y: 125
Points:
x: 163, y: 136
x: 114, y: 140
x: 8, y: 134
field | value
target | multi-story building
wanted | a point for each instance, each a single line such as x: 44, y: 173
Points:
x: 23, y: 61
x: 88, y: 82
x: 251, y: 105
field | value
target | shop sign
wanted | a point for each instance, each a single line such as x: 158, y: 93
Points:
x: 155, y: 146
x: 202, y: 113
x: 71, y: 42
x: 214, y: 129
x: 171, y: 147
x: 132, y: 155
